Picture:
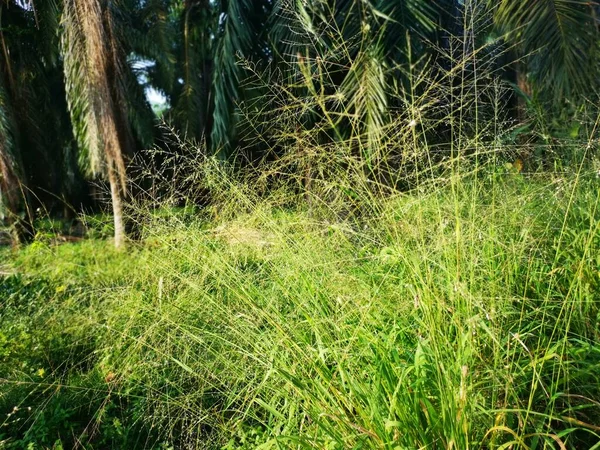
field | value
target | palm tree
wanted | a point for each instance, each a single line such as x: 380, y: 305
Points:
x: 364, y: 45
x: 9, y: 161
x: 88, y: 49
x: 111, y: 117
x: 212, y: 38
x: 209, y: 39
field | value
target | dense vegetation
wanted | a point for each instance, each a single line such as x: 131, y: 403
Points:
x: 465, y: 316
x: 350, y: 225
x: 73, y: 74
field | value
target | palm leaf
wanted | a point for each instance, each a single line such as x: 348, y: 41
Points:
x: 96, y: 87
x: 236, y: 34
x: 366, y: 91
x: 79, y: 87
x: 559, y: 39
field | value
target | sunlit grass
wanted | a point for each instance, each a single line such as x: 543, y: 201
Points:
x: 368, y: 285
x: 464, y: 316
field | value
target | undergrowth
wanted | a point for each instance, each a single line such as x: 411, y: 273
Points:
x: 382, y: 279
x: 462, y: 316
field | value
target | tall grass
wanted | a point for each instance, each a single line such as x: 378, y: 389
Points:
x: 451, y: 319
x: 362, y: 288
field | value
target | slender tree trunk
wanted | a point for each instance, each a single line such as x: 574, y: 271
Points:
x: 116, y: 175
x: 10, y: 166
x: 525, y: 88
x: 117, y: 207
x: 15, y: 200
x: 7, y: 193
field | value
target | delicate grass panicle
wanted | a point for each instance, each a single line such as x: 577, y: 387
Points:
x: 358, y: 289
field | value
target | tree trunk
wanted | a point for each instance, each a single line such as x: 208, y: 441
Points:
x: 525, y: 88
x: 7, y: 194
x: 117, y: 207
x: 13, y: 196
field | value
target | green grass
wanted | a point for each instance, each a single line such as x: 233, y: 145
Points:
x: 461, y: 315
x: 384, y: 282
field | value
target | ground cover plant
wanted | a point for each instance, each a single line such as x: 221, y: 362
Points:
x: 461, y: 316
x: 386, y: 243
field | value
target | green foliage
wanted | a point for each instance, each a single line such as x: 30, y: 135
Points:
x: 53, y: 390
x: 559, y: 40
x: 366, y: 59
x: 387, y: 276
x: 456, y: 316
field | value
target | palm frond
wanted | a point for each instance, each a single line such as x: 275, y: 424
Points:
x: 91, y: 61
x: 47, y: 22
x: 79, y: 87
x: 235, y: 38
x: 559, y: 39
x: 365, y: 90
